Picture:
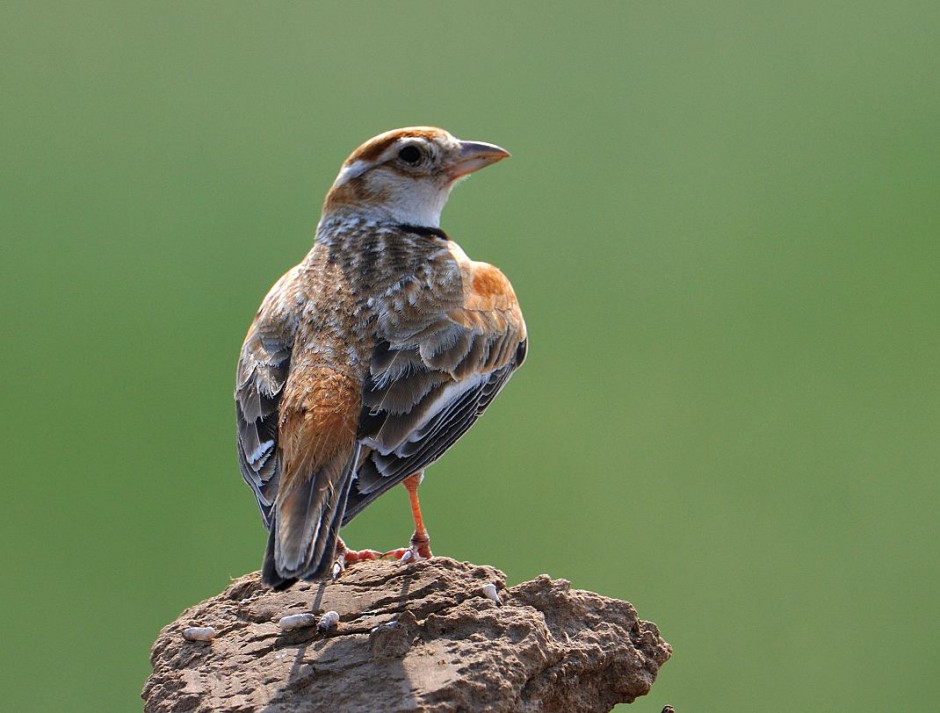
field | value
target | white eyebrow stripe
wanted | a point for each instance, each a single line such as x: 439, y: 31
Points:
x: 353, y: 170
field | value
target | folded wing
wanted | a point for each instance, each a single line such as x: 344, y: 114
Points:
x: 440, y: 361
x: 260, y: 378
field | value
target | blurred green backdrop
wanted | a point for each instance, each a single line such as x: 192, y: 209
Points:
x: 722, y: 222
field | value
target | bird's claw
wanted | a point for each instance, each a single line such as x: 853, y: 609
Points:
x: 403, y: 555
x: 418, y: 550
x: 346, y: 557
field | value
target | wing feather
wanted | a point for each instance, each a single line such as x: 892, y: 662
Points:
x: 433, y: 373
x: 259, y: 383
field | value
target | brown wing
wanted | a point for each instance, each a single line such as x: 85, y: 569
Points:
x: 259, y: 383
x: 433, y: 373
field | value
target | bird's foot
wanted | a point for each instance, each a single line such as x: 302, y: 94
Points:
x: 346, y: 557
x: 420, y: 549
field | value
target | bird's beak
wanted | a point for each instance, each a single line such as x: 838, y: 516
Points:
x: 475, y: 155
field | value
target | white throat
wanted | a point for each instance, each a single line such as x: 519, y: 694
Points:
x: 415, y: 203
x: 418, y: 207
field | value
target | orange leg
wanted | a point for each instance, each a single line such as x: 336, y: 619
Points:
x: 420, y: 540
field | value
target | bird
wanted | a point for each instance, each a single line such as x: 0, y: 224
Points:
x: 371, y: 357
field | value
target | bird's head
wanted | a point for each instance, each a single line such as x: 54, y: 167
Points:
x: 406, y: 175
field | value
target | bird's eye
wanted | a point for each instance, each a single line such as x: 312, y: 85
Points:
x: 410, y: 154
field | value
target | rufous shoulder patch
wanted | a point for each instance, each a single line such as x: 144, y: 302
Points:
x: 488, y: 288
x: 489, y: 281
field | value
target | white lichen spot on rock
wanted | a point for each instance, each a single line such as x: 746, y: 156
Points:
x: 199, y: 633
x: 328, y: 620
x: 489, y: 590
x: 297, y: 621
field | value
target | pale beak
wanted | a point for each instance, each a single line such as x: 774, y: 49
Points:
x: 475, y: 155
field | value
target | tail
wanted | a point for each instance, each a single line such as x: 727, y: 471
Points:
x: 305, y: 527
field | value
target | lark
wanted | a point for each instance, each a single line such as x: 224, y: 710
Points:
x: 373, y: 356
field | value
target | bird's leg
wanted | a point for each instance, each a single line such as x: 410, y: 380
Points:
x: 346, y: 557
x: 420, y: 540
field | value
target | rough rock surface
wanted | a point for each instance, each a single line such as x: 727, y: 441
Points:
x: 418, y: 637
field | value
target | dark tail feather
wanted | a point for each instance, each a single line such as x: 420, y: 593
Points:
x: 305, y: 527
x: 269, y: 573
x: 325, y: 552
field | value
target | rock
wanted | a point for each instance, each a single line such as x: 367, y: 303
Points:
x: 425, y: 636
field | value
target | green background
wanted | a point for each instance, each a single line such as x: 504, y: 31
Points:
x: 722, y: 221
